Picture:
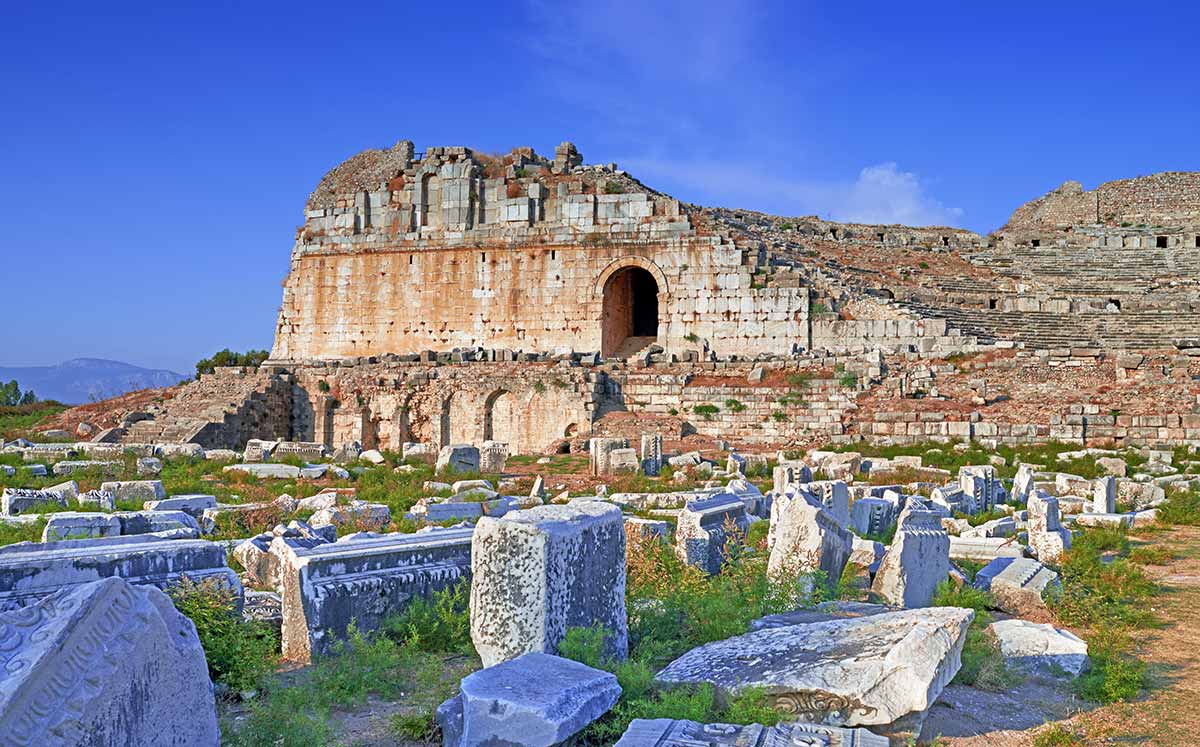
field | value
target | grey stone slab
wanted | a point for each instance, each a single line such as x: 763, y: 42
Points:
x: 31, y: 572
x: 883, y: 670
x: 80, y: 525
x: 535, y: 700
x: 363, y: 580
x: 703, y: 528
x: 665, y: 732
x: 1018, y: 586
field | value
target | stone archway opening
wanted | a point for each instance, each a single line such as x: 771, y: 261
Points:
x: 630, y: 313
x: 499, y: 418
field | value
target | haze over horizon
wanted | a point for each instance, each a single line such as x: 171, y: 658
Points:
x: 160, y: 156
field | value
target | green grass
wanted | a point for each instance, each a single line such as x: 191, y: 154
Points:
x: 983, y: 665
x: 240, y: 653
x: 1182, y: 508
x: 22, y: 421
x: 418, y: 657
x: 13, y: 533
x: 1057, y: 736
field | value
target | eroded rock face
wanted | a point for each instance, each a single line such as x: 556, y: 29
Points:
x: 665, y: 732
x: 869, y: 671
x: 101, y: 664
x: 542, y: 570
x: 535, y: 700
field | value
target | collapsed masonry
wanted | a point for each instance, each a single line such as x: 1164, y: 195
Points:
x: 456, y: 297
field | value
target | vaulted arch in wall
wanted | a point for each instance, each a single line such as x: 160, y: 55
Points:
x: 633, y: 295
x: 499, y: 418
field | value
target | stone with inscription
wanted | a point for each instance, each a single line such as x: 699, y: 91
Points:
x: 665, y: 732
x: 537, y: 572
x: 104, y: 663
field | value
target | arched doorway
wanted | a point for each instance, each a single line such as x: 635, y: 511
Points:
x: 630, y: 320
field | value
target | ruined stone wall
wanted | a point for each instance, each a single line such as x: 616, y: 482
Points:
x: 1168, y: 198
x: 403, y: 252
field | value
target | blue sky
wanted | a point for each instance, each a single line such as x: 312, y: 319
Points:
x: 156, y: 159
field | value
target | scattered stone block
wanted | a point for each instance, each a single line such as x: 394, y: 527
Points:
x: 147, y: 522
x: 805, y: 538
x: 705, y: 526
x: 149, y: 467
x: 327, y: 586
x: 135, y: 491
x: 543, y: 570
x: 1018, y: 586
x: 1104, y: 495
x: 1048, y: 539
x: 193, y: 504
x: 458, y: 458
x: 69, y: 467
x: 984, y: 549
x: 98, y: 499
x: 1040, y: 648
x: 14, y: 501
x: 69, y: 490
x: 823, y: 612
x: 535, y: 700
x: 872, y: 516
x: 881, y: 671
x: 31, y: 572
x: 1104, y: 520
x: 665, y: 732
x: 638, y: 529
x: 421, y: 452
x: 916, y: 562
x: 71, y: 525
x: 104, y: 663
x: 358, y: 512
x: 267, y: 471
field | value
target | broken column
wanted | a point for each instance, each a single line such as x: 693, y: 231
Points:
x: 651, y: 454
x: 600, y: 453
x: 1047, y: 537
x: 327, y: 586
x: 543, y: 570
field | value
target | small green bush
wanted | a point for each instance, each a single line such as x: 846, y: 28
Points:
x: 441, y: 623
x: 1115, y: 675
x: 240, y: 653
x: 982, y: 663
x: 706, y: 411
x: 1057, y: 736
x: 1182, y: 508
x: 734, y: 405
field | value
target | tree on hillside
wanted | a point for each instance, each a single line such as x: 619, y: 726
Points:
x: 227, y: 357
x: 11, y: 394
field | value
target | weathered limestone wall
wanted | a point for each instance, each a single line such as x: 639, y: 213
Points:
x: 1168, y: 198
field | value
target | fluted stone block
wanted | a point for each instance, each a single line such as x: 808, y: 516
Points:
x: 916, y: 562
x: 706, y: 526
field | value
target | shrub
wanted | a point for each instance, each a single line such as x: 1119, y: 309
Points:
x: 734, y: 405
x: 1057, y: 736
x: 441, y: 623
x: 779, y: 416
x: 1116, y: 675
x: 226, y: 357
x: 848, y: 381
x: 982, y: 663
x: 799, y: 380
x: 240, y: 653
x: 1181, y: 508
x: 614, y: 188
x: 706, y: 411
x: 1150, y: 555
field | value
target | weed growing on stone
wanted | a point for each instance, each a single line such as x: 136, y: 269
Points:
x: 240, y: 653
x: 982, y: 663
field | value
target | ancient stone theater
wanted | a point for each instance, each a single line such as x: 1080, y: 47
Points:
x: 451, y: 296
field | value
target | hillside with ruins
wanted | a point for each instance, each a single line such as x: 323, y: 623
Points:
x: 542, y: 456
x: 450, y: 296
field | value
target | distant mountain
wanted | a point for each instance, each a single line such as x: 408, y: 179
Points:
x: 87, y: 379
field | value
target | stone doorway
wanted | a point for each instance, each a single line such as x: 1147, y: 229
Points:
x: 630, y: 318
